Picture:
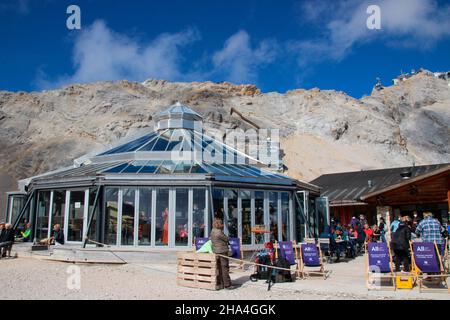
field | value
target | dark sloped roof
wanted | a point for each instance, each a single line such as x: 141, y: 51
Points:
x: 350, y: 186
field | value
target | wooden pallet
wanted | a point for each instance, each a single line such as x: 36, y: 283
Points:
x: 197, y: 270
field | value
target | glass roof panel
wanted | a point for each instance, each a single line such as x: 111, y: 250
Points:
x: 210, y: 169
x: 132, y: 145
x: 196, y: 168
x: 183, y: 167
x: 117, y: 169
x: 166, y: 167
x: 135, y: 166
x: 150, y: 166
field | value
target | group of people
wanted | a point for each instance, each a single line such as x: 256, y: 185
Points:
x: 8, y: 236
x: 349, y: 239
x: 6, y: 239
x: 404, y: 229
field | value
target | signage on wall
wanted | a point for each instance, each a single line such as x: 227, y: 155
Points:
x: 77, y: 205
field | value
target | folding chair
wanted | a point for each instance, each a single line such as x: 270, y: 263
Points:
x: 445, y: 260
x: 311, y: 257
x: 379, y: 266
x: 288, y: 252
x: 199, y: 242
x: 309, y: 240
x: 427, y: 266
x: 236, y: 251
x: 325, y: 247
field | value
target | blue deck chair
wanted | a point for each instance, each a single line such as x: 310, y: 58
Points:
x: 199, y: 242
x: 379, y: 266
x: 288, y: 252
x: 236, y: 250
x: 311, y: 257
x: 428, y: 267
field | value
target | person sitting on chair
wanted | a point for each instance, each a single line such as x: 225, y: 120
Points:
x: 25, y: 234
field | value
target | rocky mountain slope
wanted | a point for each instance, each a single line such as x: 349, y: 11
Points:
x: 322, y: 130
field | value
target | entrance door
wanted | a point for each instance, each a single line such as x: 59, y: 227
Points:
x: 76, y: 216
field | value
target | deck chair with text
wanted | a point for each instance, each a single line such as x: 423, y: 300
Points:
x: 287, y: 250
x: 428, y: 267
x: 236, y: 252
x: 311, y: 258
x: 199, y: 242
x: 380, y: 273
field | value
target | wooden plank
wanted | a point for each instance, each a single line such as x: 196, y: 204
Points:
x: 200, y: 285
x: 202, y: 271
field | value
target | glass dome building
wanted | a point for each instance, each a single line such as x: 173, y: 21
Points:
x: 164, y: 188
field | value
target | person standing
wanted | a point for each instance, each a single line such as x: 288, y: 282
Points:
x: 382, y: 228
x: 219, y: 242
x: 400, y: 244
x: 430, y: 229
x: 7, y: 240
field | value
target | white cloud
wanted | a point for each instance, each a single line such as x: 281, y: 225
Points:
x: 102, y: 54
x: 413, y: 23
x: 238, y: 62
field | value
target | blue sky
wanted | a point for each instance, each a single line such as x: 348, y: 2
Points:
x: 277, y: 45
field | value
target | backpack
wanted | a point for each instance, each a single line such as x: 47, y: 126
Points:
x: 262, y: 272
x: 281, y: 275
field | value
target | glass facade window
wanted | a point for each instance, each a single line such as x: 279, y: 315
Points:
x: 182, y: 217
x: 273, y: 215
x: 93, y: 231
x: 285, y: 218
x: 111, y: 213
x: 18, y: 202
x: 59, y: 206
x: 218, y: 195
x: 162, y: 217
x: 128, y: 208
x: 76, y: 215
x: 300, y: 216
x: 42, y: 214
x: 198, y: 213
x: 145, y: 217
x: 259, y: 215
x: 232, y: 212
x: 246, y: 206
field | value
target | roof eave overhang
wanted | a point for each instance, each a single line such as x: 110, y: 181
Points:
x: 406, y: 182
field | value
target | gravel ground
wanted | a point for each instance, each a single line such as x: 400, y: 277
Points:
x: 35, y: 278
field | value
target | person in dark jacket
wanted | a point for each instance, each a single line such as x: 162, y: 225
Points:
x: 400, y: 244
x: 7, y: 240
x: 220, y: 243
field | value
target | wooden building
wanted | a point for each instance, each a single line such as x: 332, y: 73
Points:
x: 388, y: 192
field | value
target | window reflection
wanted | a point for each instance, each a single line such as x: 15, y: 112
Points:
x: 76, y: 214
x: 181, y: 217
x: 198, y: 213
x: 246, y: 217
x: 273, y: 215
x: 112, y: 195
x: 128, y: 205
x: 59, y: 204
x: 232, y: 213
x: 42, y: 213
x: 259, y: 215
x: 145, y: 217
x: 284, y: 216
x: 162, y: 217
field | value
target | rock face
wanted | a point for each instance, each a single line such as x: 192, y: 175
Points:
x: 322, y: 131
